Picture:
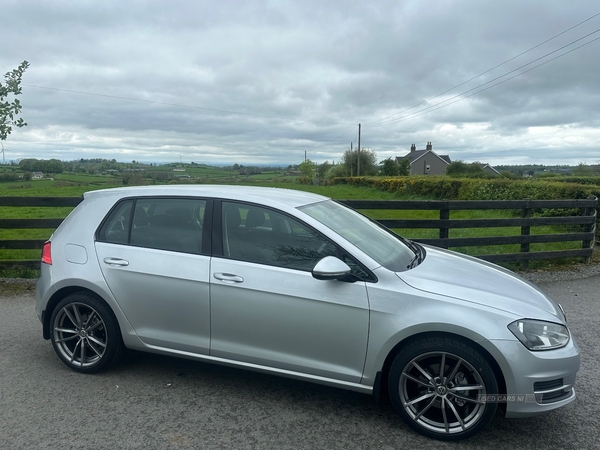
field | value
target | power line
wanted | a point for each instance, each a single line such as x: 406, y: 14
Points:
x: 344, y: 133
x: 432, y: 108
x: 487, y: 71
x: 449, y: 101
x: 117, y: 97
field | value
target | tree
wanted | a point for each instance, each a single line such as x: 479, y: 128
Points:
x: 391, y: 167
x: 307, y: 169
x: 404, y: 167
x: 10, y: 109
x: 54, y: 166
x: 459, y: 169
x: 338, y: 170
x: 322, y: 170
x: 368, y: 162
x: 582, y: 170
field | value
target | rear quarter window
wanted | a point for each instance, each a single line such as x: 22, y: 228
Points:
x: 115, y: 228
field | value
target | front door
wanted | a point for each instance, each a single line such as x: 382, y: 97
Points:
x: 267, y: 309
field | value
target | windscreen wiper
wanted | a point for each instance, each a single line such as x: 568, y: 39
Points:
x: 419, y: 254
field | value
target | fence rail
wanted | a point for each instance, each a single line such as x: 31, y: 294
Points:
x: 584, y: 221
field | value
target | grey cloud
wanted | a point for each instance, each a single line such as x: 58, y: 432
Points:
x: 319, y: 68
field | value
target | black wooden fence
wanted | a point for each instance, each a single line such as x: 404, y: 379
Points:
x: 584, y: 220
x: 23, y: 244
x: 581, y: 225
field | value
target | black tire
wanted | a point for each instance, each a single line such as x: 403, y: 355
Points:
x: 425, y: 382
x: 85, y: 333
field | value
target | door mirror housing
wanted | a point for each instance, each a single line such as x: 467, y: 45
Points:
x: 331, y: 268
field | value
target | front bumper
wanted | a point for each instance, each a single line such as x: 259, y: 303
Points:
x: 537, y: 382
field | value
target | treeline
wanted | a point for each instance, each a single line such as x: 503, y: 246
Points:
x: 42, y: 165
x: 93, y: 166
x: 249, y: 170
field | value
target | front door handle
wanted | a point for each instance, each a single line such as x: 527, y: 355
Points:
x: 228, y: 277
x: 116, y: 262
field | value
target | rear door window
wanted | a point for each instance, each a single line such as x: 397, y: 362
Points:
x: 172, y: 224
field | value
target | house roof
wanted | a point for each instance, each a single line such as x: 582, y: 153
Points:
x: 487, y: 166
x: 418, y: 154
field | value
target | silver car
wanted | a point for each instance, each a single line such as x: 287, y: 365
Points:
x: 295, y: 284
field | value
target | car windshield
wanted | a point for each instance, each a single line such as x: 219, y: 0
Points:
x: 373, y: 239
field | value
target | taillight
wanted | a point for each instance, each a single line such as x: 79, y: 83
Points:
x: 46, y: 253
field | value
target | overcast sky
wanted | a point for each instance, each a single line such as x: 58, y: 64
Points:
x: 266, y: 81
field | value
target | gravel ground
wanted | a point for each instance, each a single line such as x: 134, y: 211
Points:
x: 151, y: 401
x: 565, y: 273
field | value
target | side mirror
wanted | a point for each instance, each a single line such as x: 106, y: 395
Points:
x: 331, y: 268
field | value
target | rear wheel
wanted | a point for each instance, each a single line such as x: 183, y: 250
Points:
x: 439, y: 387
x: 85, y: 333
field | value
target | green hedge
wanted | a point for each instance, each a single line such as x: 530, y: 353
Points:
x: 445, y: 188
x: 579, y: 180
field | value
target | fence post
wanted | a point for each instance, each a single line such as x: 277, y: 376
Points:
x: 525, y: 231
x: 444, y: 215
x: 589, y: 211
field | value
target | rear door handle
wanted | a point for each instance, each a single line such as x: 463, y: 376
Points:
x: 228, y: 277
x: 116, y: 262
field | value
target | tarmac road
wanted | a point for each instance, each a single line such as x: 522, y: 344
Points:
x: 150, y: 401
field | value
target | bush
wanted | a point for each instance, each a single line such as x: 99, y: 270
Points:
x: 7, y: 177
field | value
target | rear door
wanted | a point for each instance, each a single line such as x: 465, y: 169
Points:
x: 266, y: 307
x: 155, y: 260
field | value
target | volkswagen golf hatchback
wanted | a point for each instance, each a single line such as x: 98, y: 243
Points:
x: 294, y: 284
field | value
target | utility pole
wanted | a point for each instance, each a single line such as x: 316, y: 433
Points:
x: 351, y: 166
x: 358, y: 165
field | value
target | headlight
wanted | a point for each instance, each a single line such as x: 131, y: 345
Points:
x: 540, y: 335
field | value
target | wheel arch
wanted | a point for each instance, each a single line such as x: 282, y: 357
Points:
x: 380, y: 389
x: 58, y: 296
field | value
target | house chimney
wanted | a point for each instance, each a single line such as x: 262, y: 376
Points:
x: 413, y: 148
x: 429, y: 146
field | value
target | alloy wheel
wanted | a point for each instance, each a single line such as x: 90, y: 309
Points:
x: 80, y: 335
x: 442, y: 392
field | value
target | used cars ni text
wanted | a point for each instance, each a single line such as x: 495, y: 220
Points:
x: 298, y: 285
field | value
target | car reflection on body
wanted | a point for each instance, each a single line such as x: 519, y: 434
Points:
x: 295, y: 284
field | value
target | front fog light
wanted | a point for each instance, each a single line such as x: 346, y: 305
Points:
x: 540, y: 335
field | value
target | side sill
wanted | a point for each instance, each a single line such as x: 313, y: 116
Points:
x: 265, y: 369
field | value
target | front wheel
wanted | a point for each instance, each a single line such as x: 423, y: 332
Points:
x: 85, y: 333
x: 439, y: 388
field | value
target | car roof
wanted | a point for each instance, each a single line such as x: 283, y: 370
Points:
x: 264, y: 195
